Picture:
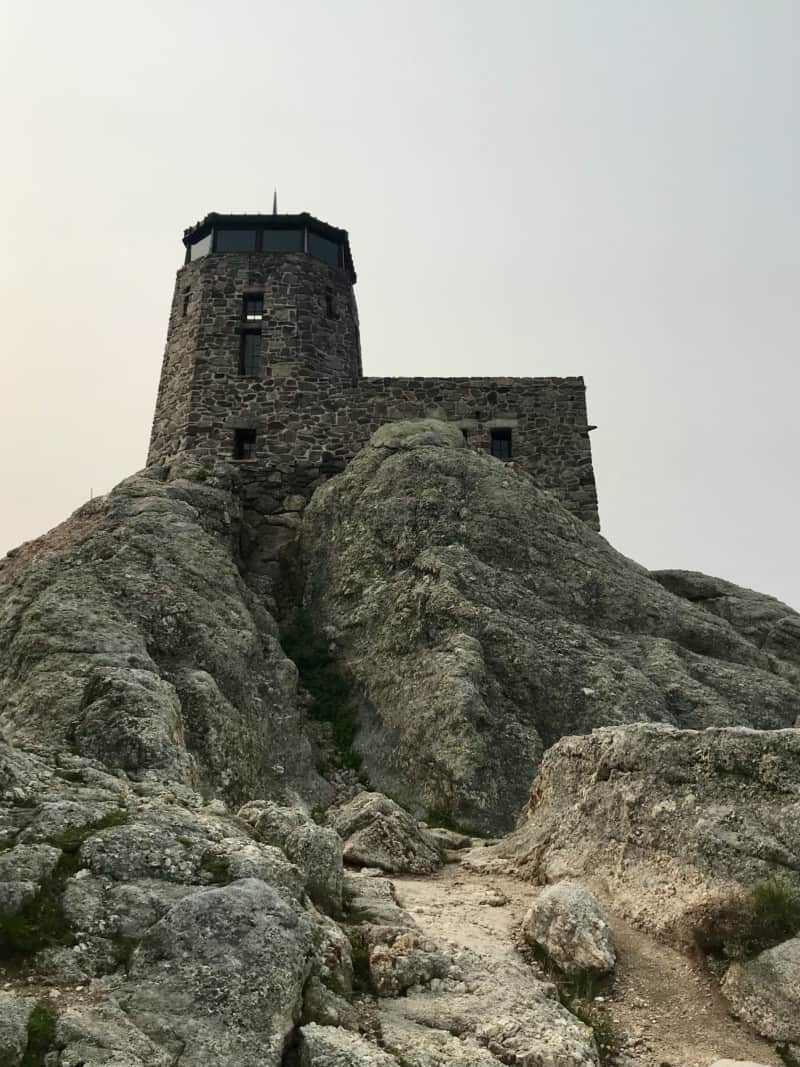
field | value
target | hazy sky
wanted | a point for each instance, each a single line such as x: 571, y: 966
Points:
x: 605, y: 187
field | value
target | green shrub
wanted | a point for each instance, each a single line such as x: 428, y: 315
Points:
x: 776, y: 909
x: 608, y: 1039
x: 320, y: 675
x: 749, y: 922
x: 359, y: 946
x: 443, y: 819
x: 41, y: 1034
x: 41, y: 922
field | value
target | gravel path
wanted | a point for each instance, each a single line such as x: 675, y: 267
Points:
x: 668, y: 1009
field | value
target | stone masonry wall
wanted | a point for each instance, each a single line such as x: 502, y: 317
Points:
x: 305, y: 432
x: 309, y: 330
x: 309, y: 406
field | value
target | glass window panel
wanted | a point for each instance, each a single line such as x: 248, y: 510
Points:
x: 501, y: 444
x: 250, y: 354
x: 322, y: 248
x: 282, y: 241
x: 236, y: 241
x: 200, y: 248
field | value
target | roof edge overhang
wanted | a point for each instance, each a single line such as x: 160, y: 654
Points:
x: 271, y: 222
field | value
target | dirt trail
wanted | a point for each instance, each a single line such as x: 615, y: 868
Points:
x: 668, y: 1009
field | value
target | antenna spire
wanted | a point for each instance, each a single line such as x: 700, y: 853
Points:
x: 275, y: 202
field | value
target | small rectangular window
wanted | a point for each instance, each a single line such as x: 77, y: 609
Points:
x: 250, y: 353
x: 186, y: 297
x: 330, y: 305
x: 501, y: 444
x: 253, y: 308
x: 244, y: 444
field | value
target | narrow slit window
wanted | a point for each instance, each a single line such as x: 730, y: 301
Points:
x: 253, y: 308
x: 186, y: 297
x: 250, y: 354
x: 330, y: 305
x: 244, y: 444
x: 501, y: 444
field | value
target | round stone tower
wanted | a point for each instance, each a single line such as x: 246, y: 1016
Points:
x: 263, y: 308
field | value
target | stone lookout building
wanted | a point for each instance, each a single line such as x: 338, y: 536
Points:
x: 263, y: 368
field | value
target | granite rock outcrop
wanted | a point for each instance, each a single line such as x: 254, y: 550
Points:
x: 672, y: 824
x: 479, y: 621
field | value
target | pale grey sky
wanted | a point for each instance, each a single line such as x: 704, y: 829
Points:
x: 597, y: 187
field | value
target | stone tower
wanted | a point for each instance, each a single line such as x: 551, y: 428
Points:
x: 262, y: 301
x: 262, y: 368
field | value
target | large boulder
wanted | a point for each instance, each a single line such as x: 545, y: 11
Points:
x: 765, y: 991
x: 675, y: 824
x: 568, y: 924
x: 128, y: 634
x: 378, y: 833
x: 478, y: 621
x: 222, y: 974
x: 317, y: 851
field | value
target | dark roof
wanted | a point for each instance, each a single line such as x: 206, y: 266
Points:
x: 272, y: 222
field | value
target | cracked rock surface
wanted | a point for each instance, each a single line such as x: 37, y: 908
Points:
x: 479, y: 622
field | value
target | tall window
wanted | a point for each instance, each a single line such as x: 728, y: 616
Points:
x: 253, y: 307
x: 330, y: 305
x: 244, y: 444
x: 250, y: 353
x: 501, y: 444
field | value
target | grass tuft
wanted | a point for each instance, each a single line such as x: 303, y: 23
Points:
x: 748, y: 923
x: 70, y: 840
x: 577, y: 992
x: 218, y: 868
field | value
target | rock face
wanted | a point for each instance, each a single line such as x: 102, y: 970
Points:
x: 669, y: 821
x: 765, y: 621
x: 567, y: 922
x: 128, y: 635
x: 479, y: 621
x: 765, y: 991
